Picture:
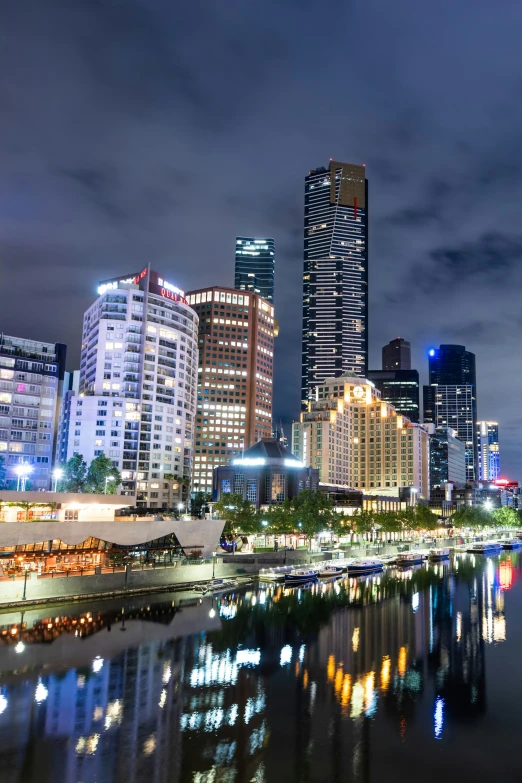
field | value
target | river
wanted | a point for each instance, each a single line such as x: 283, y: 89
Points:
x: 411, y: 675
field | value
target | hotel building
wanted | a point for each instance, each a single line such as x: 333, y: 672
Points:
x: 234, y: 387
x: 354, y: 439
x: 335, y: 277
x: 31, y: 379
x: 137, y: 388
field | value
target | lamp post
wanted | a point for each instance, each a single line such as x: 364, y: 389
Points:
x: 107, y: 479
x: 180, y: 506
x: 57, y: 474
x: 22, y: 471
x: 213, y: 564
x: 26, y: 566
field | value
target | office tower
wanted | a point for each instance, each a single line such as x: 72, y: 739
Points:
x: 335, y: 279
x: 31, y: 379
x: 447, y: 457
x: 137, y: 391
x: 234, y: 399
x: 400, y: 388
x: 255, y: 266
x: 488, y: 451
x: 71, y: 388
x: 396, y: 355
x: 355, y: 439
x: 451, y: 398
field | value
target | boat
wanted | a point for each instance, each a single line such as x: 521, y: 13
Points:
x: 486, y: 548
x: 515, y: 543
x: 438, y: 554
x: 364, y: 565
x: 406, y: 559
x: 330, y: 571
x: 274, y: 574
x: 301, y: 576
x: 387, y: 559
x: 216, y: 586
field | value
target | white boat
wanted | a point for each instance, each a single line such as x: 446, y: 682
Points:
x: 330, y: 571
x: 484, y: 548
x: 301, y: 576
x: 216, y: 586
x: 438, y: 554
x: 387, y: 559
x: 405, y: 559
x: 515, y: 543
x: 274, y: 574
x: 364, y: 565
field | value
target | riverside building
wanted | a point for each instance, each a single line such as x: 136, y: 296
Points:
x: 137, y: 387
x: 31, y: 380
x: 335, y: 277
x: 235, y: 375
x: 355, y: 439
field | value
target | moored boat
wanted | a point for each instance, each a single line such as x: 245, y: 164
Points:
x: 301, y: 576
x: 364, y: 565
x: 274, y: 574
x: 485, y: 548
x: 330, y: 571
x: 515, y: 543
x: 438, y: 554
x: 406, y: 559
x: 216, y: 586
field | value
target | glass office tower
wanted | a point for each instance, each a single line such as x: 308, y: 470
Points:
x: 335, y: 279
x: 488, y: 451
x: 255, y: 266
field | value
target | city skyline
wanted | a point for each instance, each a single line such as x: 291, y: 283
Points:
x: 117, y: 179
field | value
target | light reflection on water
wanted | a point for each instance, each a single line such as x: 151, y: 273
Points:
x: 297, y: 685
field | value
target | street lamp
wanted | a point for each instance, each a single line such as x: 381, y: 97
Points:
x: 213, y: 564
x: 22, y: 471
x: 180, y: 506
x: 57, y: 474
x: 107, y: 479
x: 488, y: 505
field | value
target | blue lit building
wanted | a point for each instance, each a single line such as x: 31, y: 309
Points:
x: 488, y: 451
x: 255, y: 266
x: 335, y: 277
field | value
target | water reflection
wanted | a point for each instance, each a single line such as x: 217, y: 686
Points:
x: 327, y: 683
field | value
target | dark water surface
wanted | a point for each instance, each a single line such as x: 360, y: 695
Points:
x: 407, y: 676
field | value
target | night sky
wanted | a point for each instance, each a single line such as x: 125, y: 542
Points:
x: 157, y: 131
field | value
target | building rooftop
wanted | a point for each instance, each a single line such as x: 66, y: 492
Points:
x: 268, y: 450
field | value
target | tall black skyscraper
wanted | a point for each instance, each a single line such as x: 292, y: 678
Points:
x: 396, y: 355
x: 451, y: 398
x: 335, y: 279
x: 255, y: 264
x: 400, y: 388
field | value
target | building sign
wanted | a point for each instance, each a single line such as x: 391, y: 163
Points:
x: 157, y: 285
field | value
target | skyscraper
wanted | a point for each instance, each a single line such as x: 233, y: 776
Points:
x: 488, y: 451
x: 236, y: 355
x: 396, y: 355
x: 451, y: 398
x: 400, y: 388
x: 31, y: 381
x: 447, y: 457
x: 138, y: 380
x: 335, y: 279
x: 255, y: 266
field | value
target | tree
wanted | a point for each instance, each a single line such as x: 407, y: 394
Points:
x: 239, y: 513
x: 472, y: 517
x: 311, y: 512
x: 506, y: 517
x: 425, y: 519
x: 100, y: 469
x: 74, y: 475
x: 200, y: 501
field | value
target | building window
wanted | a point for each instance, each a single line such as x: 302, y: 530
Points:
x: 251, y: 490
x: 226, y: 486
x: 278, y: 489
x: 239, y: 483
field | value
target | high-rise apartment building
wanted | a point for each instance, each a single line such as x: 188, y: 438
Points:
x: 488, y: 451
x: 335, y: 278
x: 356, y: 440
x: 400, y: 388
x: 451, y: 398
x: 138, y: 378
x: 447, y: 457
x: 31, y: 379
x: 234, y: 392
x: 255, y: 266
x: 71, y: 388
x: 396, y: 355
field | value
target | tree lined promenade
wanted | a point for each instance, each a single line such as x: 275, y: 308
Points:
x: 311, y: 513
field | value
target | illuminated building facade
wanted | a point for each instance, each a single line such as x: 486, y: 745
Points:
x: 335, y: 278
x: 355, y: 439
x: 267, y: 474
x: 235, y: 375
x: 450, y: 400
x: 31, y: 382
x: 396, y: 355
x: 255, y: 266
x: 447, y: 457
x: 488, y: 451
x: 137, y: 390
